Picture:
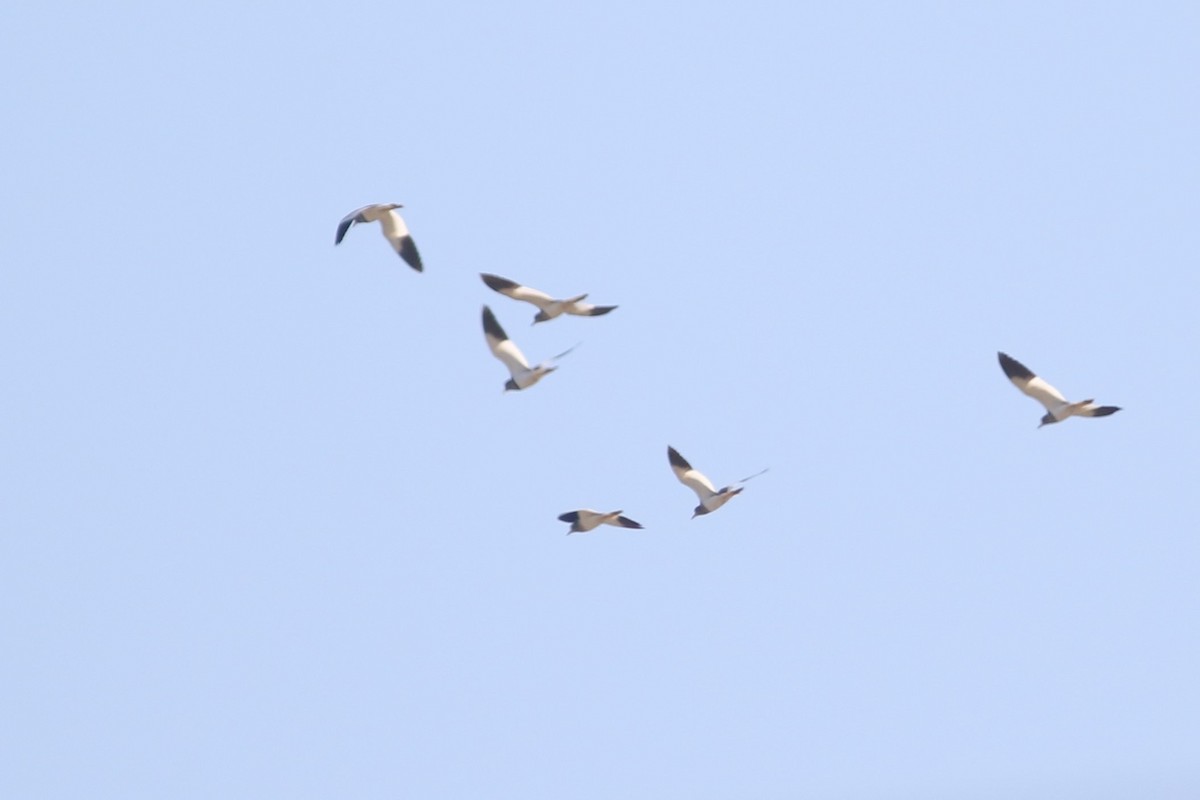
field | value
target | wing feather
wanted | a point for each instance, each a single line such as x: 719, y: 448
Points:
x: 407, y: 249
x: 1024, y: 379
x: 689, y: 477
x: 395, y: 230
x: 588, y: 310
x: 501, y: 346
x: 516, y: 291
x: 348, y: 222
x: 1041, y: 391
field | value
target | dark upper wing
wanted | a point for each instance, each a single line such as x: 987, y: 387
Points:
x: 570, y: 516
x: 1014, y: 369
x: 496, y: 283
x: 344, y: 226
x: 677, y: 461
x: 491, y: 327
x: 408, y: 251
x: 626, y: 522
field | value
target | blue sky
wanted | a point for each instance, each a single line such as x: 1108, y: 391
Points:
x: 271, y: 529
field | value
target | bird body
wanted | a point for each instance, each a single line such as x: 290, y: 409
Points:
x: 1057, y: 406
x: 586, y: 519
x: 548, y: 307
x: 393, y: 226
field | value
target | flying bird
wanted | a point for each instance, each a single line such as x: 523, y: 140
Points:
x: 1057, y: 406
x: 711, y: 498
x: 394, y: 230
x: 503, y: 348
x: 549, y: 308
x: 585, y: 520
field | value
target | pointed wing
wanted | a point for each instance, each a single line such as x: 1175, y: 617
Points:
x: 1093, y: 410
x: 516, y: 291
x: 501, y: 346
x: 1029, y: 383
x: 567, y: 352
x: 755, y: 475
x: 396, y: 232
x: 348, y: 221
x: 688, y: 476
x: 577, y: 307
x: 407, y: 249
x: 588, y: 310
x: 570, y: 516
x: 626, y: 522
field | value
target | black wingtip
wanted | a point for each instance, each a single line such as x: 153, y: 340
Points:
x: 676, y: 459
x: 1104, y: 411
x: 570, y: 516
x: 1013, y: 368
x: 491, y: 327
x: 496, y: 283
x: 600, y: 310
x: 408, y: 251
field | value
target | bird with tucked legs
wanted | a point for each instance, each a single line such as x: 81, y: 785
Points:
x: 548, y: 307
x: 1057, y: 407
x: 585, y: 520
x: 710, y: 497
x: 394, y: 230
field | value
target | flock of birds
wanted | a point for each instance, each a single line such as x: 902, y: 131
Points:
x: 523, y: 376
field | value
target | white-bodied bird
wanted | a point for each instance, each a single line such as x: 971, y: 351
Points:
x: 394, y: 229
x: 711, y: 498
x: 585, y: 520
x: 549, y: 308
x: 1058, y: 407
x: 503, y: 348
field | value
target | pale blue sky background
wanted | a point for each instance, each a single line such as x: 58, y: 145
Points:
x: 270, y: 528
